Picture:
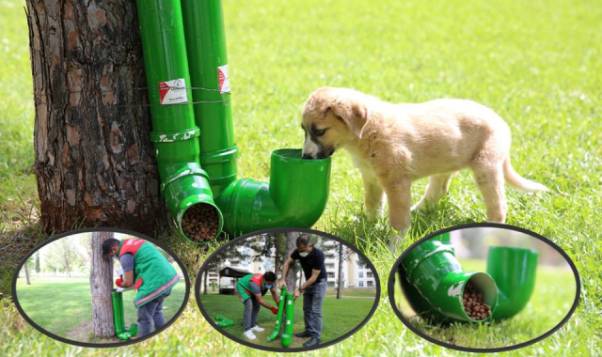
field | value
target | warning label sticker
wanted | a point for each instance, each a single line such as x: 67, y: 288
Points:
x: 222, y: 79
x: 173, y: 92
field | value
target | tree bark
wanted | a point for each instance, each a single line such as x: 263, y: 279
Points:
x: 101, y: 285
x: 26, y: 267
x: 291, y: 278
x: 94, y: 161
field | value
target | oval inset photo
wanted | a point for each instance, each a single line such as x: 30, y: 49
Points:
x: 484, y: 287
x: 100, y: 288
x: 287, y: 290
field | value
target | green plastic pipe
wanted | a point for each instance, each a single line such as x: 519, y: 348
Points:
x: 514, y: 271
x: 298, y: 190
x: 295, y: 196
x: 274, y: 335
x: 119, y: 320
x: 287, y: 334
x: 206, y: 45
x: 118, y: 323
x: 434, y: 282
x: 175, y: 135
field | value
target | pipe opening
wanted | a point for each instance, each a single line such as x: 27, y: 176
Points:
x: 295, y: 155
x: 479, y: 297
x: 201, y: 222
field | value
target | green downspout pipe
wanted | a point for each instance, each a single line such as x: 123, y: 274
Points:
x: 434, y: 282
x: 514, y: 271
x: 287, y: 334
x: 184, y: 183
x: 119, y: 320
x: 298, y: 189
x: 274, y: 335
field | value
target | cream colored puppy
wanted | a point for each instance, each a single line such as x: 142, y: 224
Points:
x: 395, y: 144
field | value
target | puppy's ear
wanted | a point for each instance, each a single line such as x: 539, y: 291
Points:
x: 354, y: 114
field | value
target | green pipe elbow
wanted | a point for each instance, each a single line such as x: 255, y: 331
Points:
x: 295, y: 197
x: 514, y: 271
x: 434, y: 283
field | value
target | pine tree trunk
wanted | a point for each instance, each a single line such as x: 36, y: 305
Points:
x: 101, y: 285
x: 94, y: 161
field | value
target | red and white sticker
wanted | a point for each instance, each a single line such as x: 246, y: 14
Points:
x: 222, y: 79
x: 173, y: 92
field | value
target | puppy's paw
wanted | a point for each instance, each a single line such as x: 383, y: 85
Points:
x: 372, y: 215
x: 396, y: 240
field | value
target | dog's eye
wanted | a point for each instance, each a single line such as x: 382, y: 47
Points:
x: 319, y: 132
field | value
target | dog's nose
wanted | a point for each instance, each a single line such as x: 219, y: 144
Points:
x: 306, y: 157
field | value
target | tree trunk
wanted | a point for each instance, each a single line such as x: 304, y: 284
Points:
x: 291, y: 278
x: 94, y: 161
x: 26, y: 268
x: 37, y: 262
x: 101, y: 285
x: 340, y: 274
x: 205, y: 280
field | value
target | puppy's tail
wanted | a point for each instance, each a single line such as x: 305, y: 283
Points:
x: 521, y: 183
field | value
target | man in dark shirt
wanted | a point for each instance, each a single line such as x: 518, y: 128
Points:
x: 313, y: 289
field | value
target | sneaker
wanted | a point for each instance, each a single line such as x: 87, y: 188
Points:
x: 302, y: 334
x: 249, y: 334
x: 312, y: 342
x: 257, y: 328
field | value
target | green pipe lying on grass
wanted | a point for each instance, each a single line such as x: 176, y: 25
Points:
x: 514, y: 271
x: 434, y: 283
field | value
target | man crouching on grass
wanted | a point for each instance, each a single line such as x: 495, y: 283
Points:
x: 250, y: 289
x: 149, y: 272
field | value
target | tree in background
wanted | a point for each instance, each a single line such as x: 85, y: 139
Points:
x: 285, y: 244
x: 101, y: 285
x: 94, y: 162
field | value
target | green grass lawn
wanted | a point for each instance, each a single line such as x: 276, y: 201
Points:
x: 62, y: 307
x: 537, y: 63
x: 551, y: 300
x: 339, y: 316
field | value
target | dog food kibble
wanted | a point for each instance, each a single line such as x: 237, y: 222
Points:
x: 200, y: 222
x: 474, y: 303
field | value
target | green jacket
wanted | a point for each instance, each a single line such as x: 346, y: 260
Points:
x: 157, y: 274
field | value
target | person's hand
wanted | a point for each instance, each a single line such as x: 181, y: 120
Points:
x: 119, y: 282
x: 296, y: 293
x: 138, y: 283
x: 280, y: 283
x: 274, y: 310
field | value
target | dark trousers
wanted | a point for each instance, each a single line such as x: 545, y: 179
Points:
x: 149, y: 315
x: 313, y: 298
x: 250, y: 315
